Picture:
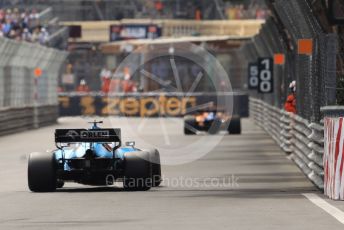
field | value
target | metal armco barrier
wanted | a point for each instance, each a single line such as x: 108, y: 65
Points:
x: 13, y: 120
x: 144, y: 104
x: 26, y: 101
x: 304, y: 141
x: 334, y: 152
x: 301, y: 134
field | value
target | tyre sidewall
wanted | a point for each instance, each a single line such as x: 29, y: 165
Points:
x: 42, y: 172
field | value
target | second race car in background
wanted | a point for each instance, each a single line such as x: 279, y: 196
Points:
x: 211, y: 122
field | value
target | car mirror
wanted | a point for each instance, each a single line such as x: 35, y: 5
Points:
x: 130, y: 143
x: 62, y: 145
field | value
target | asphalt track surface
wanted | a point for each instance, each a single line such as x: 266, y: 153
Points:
x: 246, y: 182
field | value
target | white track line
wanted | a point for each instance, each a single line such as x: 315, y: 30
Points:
x: 321, y: 203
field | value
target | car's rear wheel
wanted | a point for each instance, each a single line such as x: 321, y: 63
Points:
x: 137, y: 171
x: 235, y: 126
x: 156, y: 167
x: 60, y: 184
x: 189, y: 126
x: 42, y: 172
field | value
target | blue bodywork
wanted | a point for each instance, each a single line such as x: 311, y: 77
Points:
x: 79, y: 151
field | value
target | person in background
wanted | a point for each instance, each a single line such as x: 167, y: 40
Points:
x: 198, y: 14
x: 116, y: 81
x: 16, y: 17
x: 231, y: 13
x: 2, y: 15
x: 105, y: 77
x: 159, y: 7
x: 106, y: 81
x: 34, y: 16
x: 128, y: 85
x: 239, y: 11
x: 290, y: 104
x: 35, y: 35
x: 43, y: 36
x: 7, y: 27
x: 25, y: 17
x: 8, y: 14
x: 60, y: 89
x: 83, y: 88
x: 26, y: 36
x: 22, y: 25
x: 12, y: 34
x: 105, y: 73
x: 261, y: 14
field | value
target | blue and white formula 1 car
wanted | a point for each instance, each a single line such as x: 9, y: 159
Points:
x: 93, y: 157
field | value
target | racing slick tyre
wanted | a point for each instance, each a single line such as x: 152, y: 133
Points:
x: 42, y: 172
x: 234, y: 127
x: 60, y: 184
x: 137, y: 171
x: 156, y: 167
x: 215, y: 127
x: 189, y: 126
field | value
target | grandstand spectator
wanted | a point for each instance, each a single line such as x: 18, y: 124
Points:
x: 239, y: 13
x: 16, y: 17
x: 60, y: 89
x: 159, y: 6
x: 34, y: 15
x: 111, y: 80
x: 43, y: 36
x: 25, y: 17
x: 6, y: 27
x: 198, y: 14
x: 105, y: 73
x: 8, y: 14
x: 26, y: 36
x: 106, y: 85
x: 18, y: 25
x: 35, y: 35
x: 105, y: 76
x: 116, y: 81
x: 2, y: 15
x: 83, y: 87
x: 261, y: 14
x: 128, y: 86
x: 252, y: 11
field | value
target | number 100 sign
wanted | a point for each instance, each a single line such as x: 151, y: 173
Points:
x: 265, y: 75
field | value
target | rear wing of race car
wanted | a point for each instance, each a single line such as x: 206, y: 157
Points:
x: 87, y: 135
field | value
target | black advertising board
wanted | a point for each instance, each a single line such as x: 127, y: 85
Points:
x: 143, y: 105
x: 127, y: 32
